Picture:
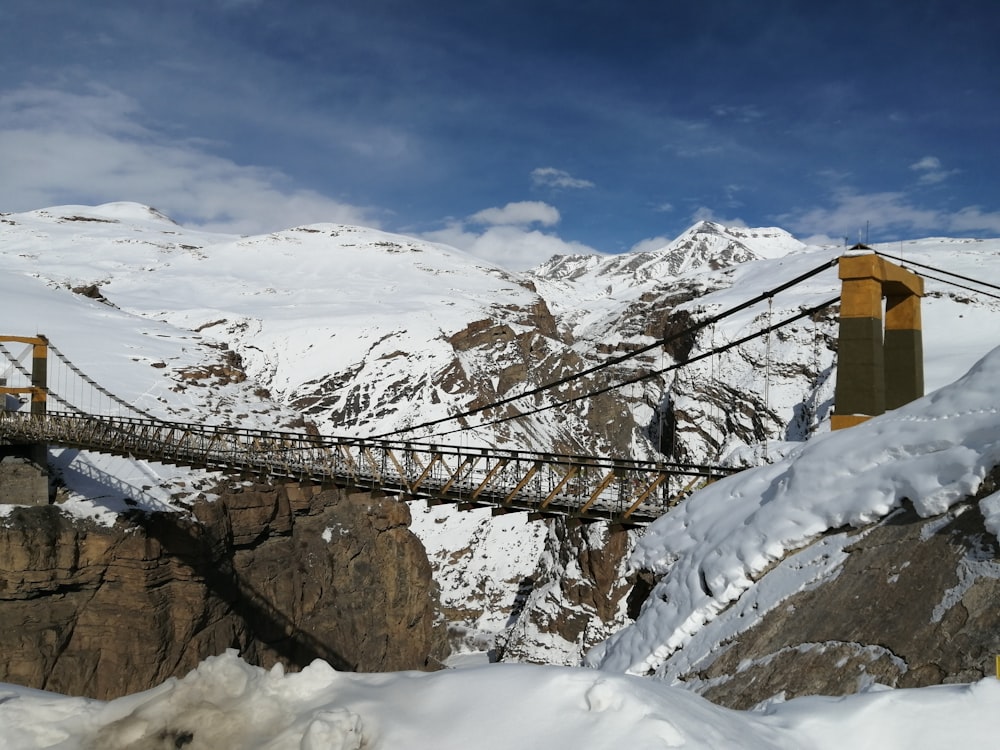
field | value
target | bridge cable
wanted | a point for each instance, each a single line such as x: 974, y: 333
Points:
x: 647, y: 376
x: 15, y: 362
x: 94, y: 384
x: 615, y: 360
x: 959, y: 286
x: 50, y: 393
x: 904, y: 263
x: 767, y: 369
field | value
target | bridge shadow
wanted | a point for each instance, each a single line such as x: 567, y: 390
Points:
x: 209, y: 559
x: 194, y: 545
x: 102, y: 488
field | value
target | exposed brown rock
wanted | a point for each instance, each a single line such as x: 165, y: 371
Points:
x: 24, y: 482
x: 914, y: 604
x: 585, y: 562
x: 283, y: 574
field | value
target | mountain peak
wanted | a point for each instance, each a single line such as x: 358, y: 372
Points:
x: 118, y: 212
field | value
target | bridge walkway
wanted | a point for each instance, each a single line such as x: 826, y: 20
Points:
x: 583, y: 487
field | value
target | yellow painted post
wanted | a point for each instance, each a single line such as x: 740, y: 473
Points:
x: 39, y: 376
x: 860, y: 387
x: 998, y: 667
x: 877, y: 369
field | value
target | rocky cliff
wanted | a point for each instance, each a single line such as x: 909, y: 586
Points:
x: 576, y: 597
x: 912, y: 603
x: 284, y: 574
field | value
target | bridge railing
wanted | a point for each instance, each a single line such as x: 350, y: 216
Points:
x: 583, y: 486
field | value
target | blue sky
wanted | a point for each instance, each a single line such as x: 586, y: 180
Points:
x: 514, y: 129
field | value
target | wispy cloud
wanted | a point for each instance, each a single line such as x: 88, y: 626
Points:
x: 520, y: 213
x: 92, y: 146
x: 974, y: 219
x: 852, y: 212
x: 931, y: 171
x: 511, y: 247
x: 557, y: 178
x: 742, y: 113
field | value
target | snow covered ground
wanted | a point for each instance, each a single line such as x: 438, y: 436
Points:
x: 226, y: 704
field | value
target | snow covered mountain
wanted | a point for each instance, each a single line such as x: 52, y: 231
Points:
x: 357, y: 331
x: 363, y: 332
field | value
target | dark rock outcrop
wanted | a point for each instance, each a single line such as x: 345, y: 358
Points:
x: 284, y: 574
x: 576, y: 597
x: 914, y: 604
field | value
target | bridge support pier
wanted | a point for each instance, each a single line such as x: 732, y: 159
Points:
x: 875, y: 374
x: 24, y: 468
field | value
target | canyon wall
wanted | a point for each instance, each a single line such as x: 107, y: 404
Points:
x: 283, y: 574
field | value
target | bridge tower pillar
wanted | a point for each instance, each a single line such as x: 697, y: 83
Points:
x: 24, y: 472
x: 875, y: 373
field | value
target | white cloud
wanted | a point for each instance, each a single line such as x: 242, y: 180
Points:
x: 507, y: 240
x: 824, y: 240
x: 703, y: 213
x: 973, y: 218
x: 851, y: 213
x: 931, y: 170
x: 649, y: 244
x: 90, y: 146
x: 511, y: 247
x: 552, y: 177
x: 520, y: 213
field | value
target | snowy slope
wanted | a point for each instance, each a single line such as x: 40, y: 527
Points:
x: 367, y: 332
x: 584, y: 289
x: 296, y: 305
x: 934, y: 452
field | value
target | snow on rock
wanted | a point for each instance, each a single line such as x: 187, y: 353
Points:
x: 480, y: 563
x: 590, y: 290
x: 990, y: 507
x: 932, y: 452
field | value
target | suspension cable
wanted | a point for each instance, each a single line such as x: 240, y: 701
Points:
x: 616, y: 360
x: 95, y: 385
x: 767, y: 368
x: 647, y: 376
x: 960, y: 286
x: 904, y: 262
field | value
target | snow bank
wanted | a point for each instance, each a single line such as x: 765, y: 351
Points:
x: 932, y: 452
x: 226, y: 703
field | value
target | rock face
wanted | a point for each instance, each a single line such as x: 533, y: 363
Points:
x: 284, y: 574
x: 576, y: 597
x: 23, y: 481
x: 913, y: 604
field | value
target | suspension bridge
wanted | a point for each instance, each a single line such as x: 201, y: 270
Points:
x: 584, y: 487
